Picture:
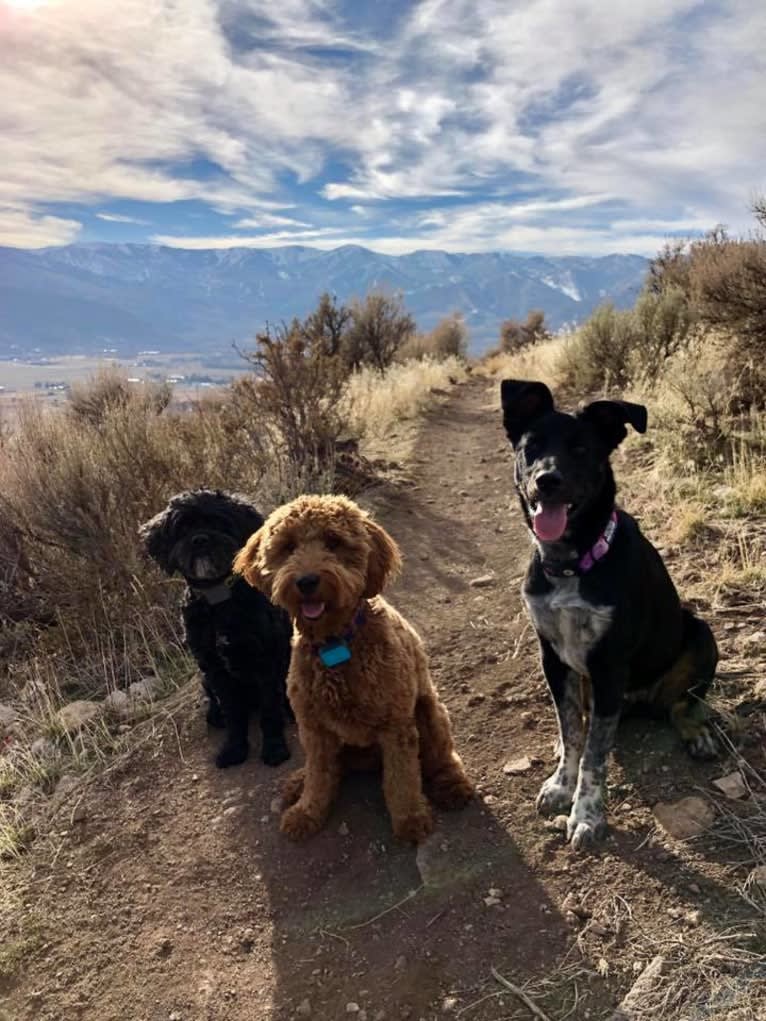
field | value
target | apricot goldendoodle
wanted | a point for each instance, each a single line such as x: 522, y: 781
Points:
x: 359, y: 674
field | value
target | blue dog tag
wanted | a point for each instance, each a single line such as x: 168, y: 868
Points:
x: 334, y: 653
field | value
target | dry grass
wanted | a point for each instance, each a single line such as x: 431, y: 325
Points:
x: 543, y: 361
x: 375, y: 405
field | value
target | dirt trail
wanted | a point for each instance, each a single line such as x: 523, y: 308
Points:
x: 175, y: 898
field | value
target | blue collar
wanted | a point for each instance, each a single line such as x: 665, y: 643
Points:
x: 335, y: 651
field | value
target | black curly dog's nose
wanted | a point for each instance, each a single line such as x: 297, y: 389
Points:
x: 307, y: 583
x: 200, y: 539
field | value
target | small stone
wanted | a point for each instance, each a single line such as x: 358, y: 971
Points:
x: 598, y: 929
x: 694, y: 888
x: 117, y: 702
x: 492, y: 902
x: 449, y: 1004
x: 482, y: 581
x: 352, y: 1008
x: 477, y: 699
x: 732, y: 785
x: 343, y: 829
x: 79, y: 813
x: 494, y: 892
x: 304, y: 1008
x: 694, y: 917
x: 163, y: 947
x: 174, y: 1016
x: 560, y: 823
x: 516, y: 766
x: 233, y: 810
x: 685, y: 818
x: 275, y: 806
x: 73, y: 717
x: 195, y: 778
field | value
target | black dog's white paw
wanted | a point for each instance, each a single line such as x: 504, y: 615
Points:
x: 232, y: 754
x: 703, y: 745
x: 586, y: 824
x: 275, y: 751
x: 555, y: 797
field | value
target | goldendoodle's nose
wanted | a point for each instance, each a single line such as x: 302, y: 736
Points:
x: 307, y: 583
x: 200, y: 539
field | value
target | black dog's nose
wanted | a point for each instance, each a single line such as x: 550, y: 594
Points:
x: 200, y: 539
x: 548, y: 482
x: 307, y: 583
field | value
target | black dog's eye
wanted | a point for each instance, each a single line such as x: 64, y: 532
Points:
x: 580, y: 450
x: 332, y: 541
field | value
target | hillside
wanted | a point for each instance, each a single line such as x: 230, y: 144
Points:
x: 87, y: 298
x: 165, y: 890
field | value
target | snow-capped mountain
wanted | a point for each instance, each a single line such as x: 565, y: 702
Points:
x: 83, y: 298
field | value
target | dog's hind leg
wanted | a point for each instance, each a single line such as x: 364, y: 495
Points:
x: 402, y: 784
x: 682, y: 690
x: 444, y: 777
x: 556, y: 794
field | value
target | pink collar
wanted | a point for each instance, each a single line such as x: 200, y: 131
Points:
x: 597, y: 552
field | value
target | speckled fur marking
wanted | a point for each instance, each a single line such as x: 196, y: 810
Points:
x: 572, y: 625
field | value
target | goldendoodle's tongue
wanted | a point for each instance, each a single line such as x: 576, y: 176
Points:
x: 312, y: 610
x: 550, y: 521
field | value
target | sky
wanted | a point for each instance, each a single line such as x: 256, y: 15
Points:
x: 547, y: 126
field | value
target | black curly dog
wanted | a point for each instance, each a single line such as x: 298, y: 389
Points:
x: 601, y: 600
x: 239, y: 639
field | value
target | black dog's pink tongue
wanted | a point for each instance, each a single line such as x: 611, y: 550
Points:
x: 550, y: 521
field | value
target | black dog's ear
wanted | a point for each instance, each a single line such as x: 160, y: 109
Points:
x: 155, y: 534
x: 523, y: 402
x: 608, y: 418
x: 247, y: 518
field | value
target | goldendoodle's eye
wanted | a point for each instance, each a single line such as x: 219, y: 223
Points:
x: 289, y: 547
x: 332, y: 541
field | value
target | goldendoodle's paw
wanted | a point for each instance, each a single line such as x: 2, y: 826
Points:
x: 450, y: 790
x: 297, y: 824
x: 292, y: 787
x: 416, y: 827
x: 586, y: 825
x: 274, y: 751
x: 555, y: 798
x: 232, y: 754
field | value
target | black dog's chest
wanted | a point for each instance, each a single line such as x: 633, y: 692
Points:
x: 571, y: 624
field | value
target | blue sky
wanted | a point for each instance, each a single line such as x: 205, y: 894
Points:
x: 552, y: 126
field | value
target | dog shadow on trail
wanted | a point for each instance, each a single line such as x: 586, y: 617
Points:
x: 359, y: 917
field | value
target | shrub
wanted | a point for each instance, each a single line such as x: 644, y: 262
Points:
x: 289, y: 405
x: 599, y: 356
x: 93, y: 400
x: 380, y: 325
x: 515, y: 336
x: 663, y: 325
x: 328, y: 325
x: 448, y: 339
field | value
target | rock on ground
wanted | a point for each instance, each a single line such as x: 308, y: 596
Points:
x: 73, y: 717
x: 685, y: 818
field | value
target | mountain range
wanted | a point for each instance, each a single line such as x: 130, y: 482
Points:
x: 87, y: 298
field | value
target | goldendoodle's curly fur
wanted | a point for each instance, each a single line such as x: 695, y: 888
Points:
x: 325, y: 561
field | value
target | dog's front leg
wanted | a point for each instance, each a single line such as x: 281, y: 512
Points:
x: 411, y: 814
x: 558, y: 791
x: 587, y: 820
x: 234, y: 709
x: 272, y: 718
x: 321, y: 776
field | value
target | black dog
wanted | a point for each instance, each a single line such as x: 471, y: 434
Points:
x: 240, y: 641
x: 600, y: 598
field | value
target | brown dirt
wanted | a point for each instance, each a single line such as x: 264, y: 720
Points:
x: 167, y: 891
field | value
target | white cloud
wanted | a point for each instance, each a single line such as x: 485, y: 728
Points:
x: 264, y: 220
x: 20, y: 228
x: 552, y: 123
x: 119, y: 218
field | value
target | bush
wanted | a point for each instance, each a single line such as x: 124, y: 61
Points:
x: 93, y: 400
x: 448, y: 339
x: 599, y: 357
x: 515, y: 336
x: 289, y: 406
x: 380, y: 325
x: 663, y: 325
x: 328, y: 325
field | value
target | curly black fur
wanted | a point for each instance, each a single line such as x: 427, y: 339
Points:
x: 239, y: 639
